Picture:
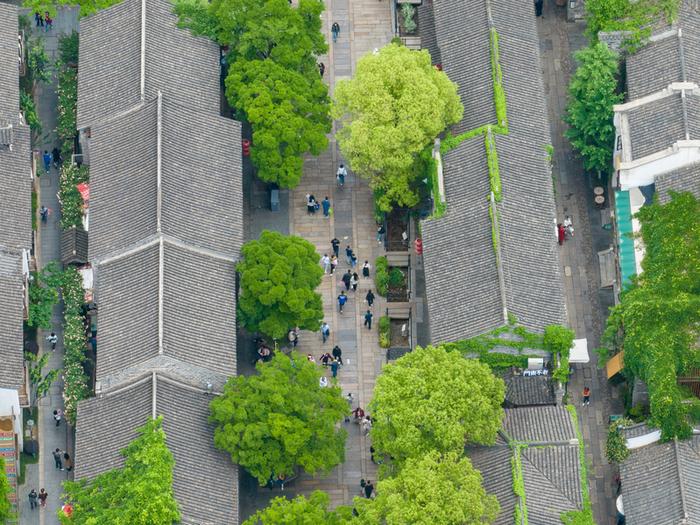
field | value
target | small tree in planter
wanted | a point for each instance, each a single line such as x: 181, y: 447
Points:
x: 409, y: 12
x: 385, y: 331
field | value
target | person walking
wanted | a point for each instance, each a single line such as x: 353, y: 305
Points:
x: 348, y: 254
x: 334, y: 368
x: 335, y: 243
x: 56, y: 156
x: 39, y: 23
x: 310, y: 204
x: 48, y: 20
x: 321, y: 68
x: 368, y: 488
x: 586, y: 396
x: 326, y: 205
x: 353, y: 260
x: 33, y: 496
x: 53, y: 339
x: 57, y: 415
x: 335, y: 31
x: 67, y: 461
x: 42, y: 497
x: 337, y: 354
x: 380, y: 233
x: 347, y: 279
x: 367, y: 425
x: 354, y: 281
x: 325, y: 331
x: 538, y: 7
x: 561, y: 233
x: 326, y: 359
x: 293, y: 336
x: 350, y: 401
x: 341, y: 174
x: 47, y: 161
x: 44, y: 213
x: 326, y: 263
x: 369, y: 298
x: 368, y: 319
x: 334, y: 263
x: 342, y: 299
x: 365, y: 269
x: 58, y: 458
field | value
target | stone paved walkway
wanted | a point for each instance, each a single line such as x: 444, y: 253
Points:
x: 364, y: 26
x: 587, y: 303
x: 44, y: 474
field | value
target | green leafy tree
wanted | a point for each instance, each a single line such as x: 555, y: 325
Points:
x: 281, y: 418
x: 31, y: 117
x: 429, y: 489
x: 273, y: 81
x: 43, y: 295
x: 299, y: 511
x: 592, y: 93
x: 139, y: 492
x: 396, y: 104
x: 657, y: 320
x: 288, y: 112
x: 432, y: 399
x: 5, y: 491
x: 87, y: 7
x: 637, y: 17
x: 41, y: 383
x: 67, y: 92
x: 68, y: 195
x: 279, y: 276
x: 558, y: 341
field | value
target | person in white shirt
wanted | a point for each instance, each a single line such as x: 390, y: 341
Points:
x: 341, y: 174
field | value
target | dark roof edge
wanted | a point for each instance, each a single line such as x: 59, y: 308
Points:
x: 679, y: 471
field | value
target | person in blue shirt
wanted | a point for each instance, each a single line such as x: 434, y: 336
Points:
x: 342, y: 299
x: 326, y: 203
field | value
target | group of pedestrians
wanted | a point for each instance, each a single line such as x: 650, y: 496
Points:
x: 44, y: 20
x: 41, y: 496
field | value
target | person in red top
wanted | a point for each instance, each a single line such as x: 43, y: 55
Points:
x: 48, y: 20
x: 359, y: 414
x: 561, y: 233
x: 586, y: 396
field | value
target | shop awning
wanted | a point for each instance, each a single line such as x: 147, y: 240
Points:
x: 615, y: 364
x: 625, y: 244
x: 579, y: 351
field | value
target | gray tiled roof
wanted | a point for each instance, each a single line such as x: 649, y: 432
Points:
x: 200, y: 173
x: 551, y: 474
x: 180, y: 65
x: 461, y: 275
x: 680, y: 180
x: 16, y: 191
x: 9, y: 68
x: 661, y: 484
x: 466, y: 301
x: 550, y: 424
x: 524, y: 391
x: 204, y: 480
x: 428, y: 35
x: 198, y: 310
x: 657, y: 64
x: 463, y: 38
x: 74, y: 246
x: 656, y: 125
x: 11, y: 316
x: 494, y: 463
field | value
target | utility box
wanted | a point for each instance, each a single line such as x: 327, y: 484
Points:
x: 274, y: 199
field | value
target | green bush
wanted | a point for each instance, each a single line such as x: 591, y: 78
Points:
x: 381, y: 275
x: 408, y: 12
x: 638, y: 412
x: 31, y: 117
x: 396, y: 276
x: 499, y: 360
x: 615, y: 448
x: 69, y: 196
x: 558, y: 341
x: 43, y: 295
x: 385, y: 331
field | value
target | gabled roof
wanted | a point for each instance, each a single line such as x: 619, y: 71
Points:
x: 134, y: 49
x: 523, y: 391
x: 11, y: 319
x: 9, y: 64
x: 204, y: 480
x: 661, y: 484
x: 472, y: 297
x: 549, y: 463
x: 197, y: 160
x: 166, y: 299
x: 74, y: 246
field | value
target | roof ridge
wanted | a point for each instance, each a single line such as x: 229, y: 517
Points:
x: 681, y: 488
x: 545, y: 476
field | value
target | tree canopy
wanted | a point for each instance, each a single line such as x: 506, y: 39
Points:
x: 279, y: 276
x: 592, y: 93
x: 281, y: 418
x: 429, y: 489
x: 273, y: 80
x: 432, y: 399
x: 393, y: 107
x: 300, y: 511
x: 141, y: 492
x: 656, y: 322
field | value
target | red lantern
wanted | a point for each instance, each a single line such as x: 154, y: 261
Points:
x: 246, y: 147
x: 418, y: 245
